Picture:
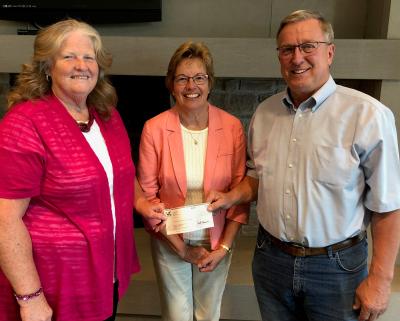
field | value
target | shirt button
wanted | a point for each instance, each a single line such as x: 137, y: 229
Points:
x: 287, y: 191
x: 290, y: 165
x: 288, y: 217
x: 294, y: 140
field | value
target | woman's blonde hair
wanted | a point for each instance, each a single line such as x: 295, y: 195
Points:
x: 33, y: 82
x: 190, y: 49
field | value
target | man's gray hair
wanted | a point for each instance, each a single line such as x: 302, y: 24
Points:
x: 301, y: 15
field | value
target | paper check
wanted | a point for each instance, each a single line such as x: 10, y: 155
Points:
x: 188, y: 218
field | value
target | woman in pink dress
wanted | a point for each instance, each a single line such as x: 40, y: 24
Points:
x: 66, y: 185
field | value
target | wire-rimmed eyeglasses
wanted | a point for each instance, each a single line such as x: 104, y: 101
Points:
x: 199, y: 79
x: 305, y: 47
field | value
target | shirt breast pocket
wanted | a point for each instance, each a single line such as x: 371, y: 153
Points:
x: 332, y: 165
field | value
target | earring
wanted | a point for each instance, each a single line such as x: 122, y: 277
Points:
x: 47, y: 77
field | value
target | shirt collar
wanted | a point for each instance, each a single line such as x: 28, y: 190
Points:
x: 315, y: 100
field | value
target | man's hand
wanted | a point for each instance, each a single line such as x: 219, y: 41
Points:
x: 245, y: 192
x: 218, y: 201
x: 372, y: 298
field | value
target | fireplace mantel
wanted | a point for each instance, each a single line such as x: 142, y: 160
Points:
x: 234, y: 57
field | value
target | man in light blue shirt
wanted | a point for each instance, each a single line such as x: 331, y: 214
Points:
x: 323, y: 165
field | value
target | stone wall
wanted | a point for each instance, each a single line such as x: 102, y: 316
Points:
x: 240, y: 97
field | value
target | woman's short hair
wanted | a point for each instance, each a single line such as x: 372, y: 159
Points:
x: 301, y: 15
x: 33, y: 82
x: 190, y: 49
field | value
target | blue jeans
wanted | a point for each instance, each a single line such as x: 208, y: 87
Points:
x: 313, y: 288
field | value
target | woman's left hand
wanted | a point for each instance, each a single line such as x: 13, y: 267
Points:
x: 152, y: 211
x: 210, y: 262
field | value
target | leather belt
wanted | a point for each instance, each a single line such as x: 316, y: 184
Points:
x: 299, y: 250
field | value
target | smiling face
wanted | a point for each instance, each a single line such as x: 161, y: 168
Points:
x: 74, y: 71
x: 191, y: 96
x: 305, y: 73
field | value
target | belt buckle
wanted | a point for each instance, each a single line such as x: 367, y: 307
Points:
x: 302, y: 249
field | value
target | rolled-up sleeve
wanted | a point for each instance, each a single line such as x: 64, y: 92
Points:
x: 377, y: 146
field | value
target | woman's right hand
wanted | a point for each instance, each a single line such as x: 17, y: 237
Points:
x: 194, y: 254
x: 16, y: 259
x: 36, y: 309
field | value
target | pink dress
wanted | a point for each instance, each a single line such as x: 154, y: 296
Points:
x: 45, y: 157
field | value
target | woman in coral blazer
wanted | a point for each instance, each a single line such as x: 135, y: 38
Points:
x: 186, y: 152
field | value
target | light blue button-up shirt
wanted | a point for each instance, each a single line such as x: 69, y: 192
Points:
x: 323, y: 167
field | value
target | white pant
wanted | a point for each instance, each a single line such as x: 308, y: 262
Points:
x: 187, y: 294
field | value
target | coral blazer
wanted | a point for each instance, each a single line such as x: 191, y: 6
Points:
x: 161, y: 169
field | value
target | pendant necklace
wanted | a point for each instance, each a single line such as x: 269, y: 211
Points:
x: 84, y: 125
x: 194, y: 139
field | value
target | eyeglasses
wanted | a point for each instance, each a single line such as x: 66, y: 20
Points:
x: 199, y: 79
x: 305, y: 48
